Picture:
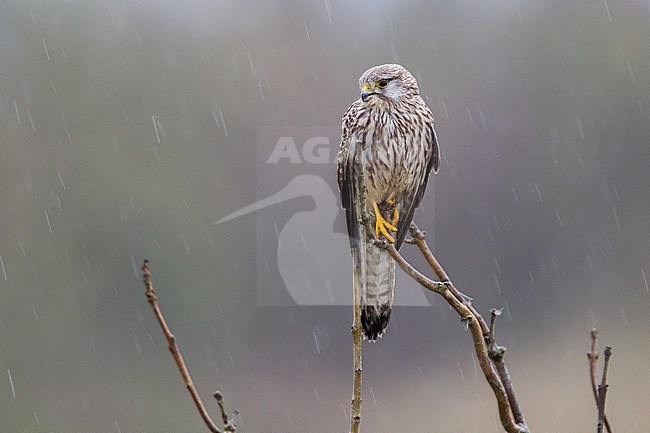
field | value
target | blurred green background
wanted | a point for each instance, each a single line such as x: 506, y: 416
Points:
x: 128, y: 128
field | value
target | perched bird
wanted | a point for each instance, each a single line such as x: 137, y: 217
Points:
x: 387, y: 133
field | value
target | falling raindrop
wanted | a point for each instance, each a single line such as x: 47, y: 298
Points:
x: 329, y: 10
x: 515, y: 194
x: 49, y: 226
x: 539, y: 194
x: 623, y: 315
x: 469, y: 114
x: 251, y: 64
x: 223, y: 122
x: 186, y: 245
x: 17, y: 112
x: 47, y: 52
x: 374, y: 400
x: 607, y: 9
x: 345, y: 412
x: 496, y: 283
x: 61, y: 179
x: 304, y: 242
x: 581, y: 131
x: 616, y: 218
x: 316, y: 341
x: 461, y: 371
x: 444, y: 107
x: 259, y: 85
x: 155, y: 126
x: 11, y: 382
x: 306, y: 30
x: 31, y: 120
x: 2, y: 263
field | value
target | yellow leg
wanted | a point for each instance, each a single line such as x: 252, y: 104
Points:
x: 382, y: 226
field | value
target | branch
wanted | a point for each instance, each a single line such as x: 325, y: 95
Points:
x: 592, y: 355
x: 357, y: 282
x: 229, y: 425
x: 509, y: 411
x: 355, y: 404
x: 602, y: 390
x: 228, y: 422
x: 496, y: 354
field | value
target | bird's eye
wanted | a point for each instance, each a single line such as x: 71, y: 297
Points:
x: 382, y: 84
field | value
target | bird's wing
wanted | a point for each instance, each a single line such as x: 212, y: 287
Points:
x: 373, y: 269
x: 346, y: 174
x: 413, y: 197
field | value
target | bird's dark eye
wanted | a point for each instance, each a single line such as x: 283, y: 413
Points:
x: 382, y: 84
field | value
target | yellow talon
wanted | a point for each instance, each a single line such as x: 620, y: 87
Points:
x: 395, y: 217
x: 382, y: 226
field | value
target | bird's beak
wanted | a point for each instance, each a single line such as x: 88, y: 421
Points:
x: 366, y: 92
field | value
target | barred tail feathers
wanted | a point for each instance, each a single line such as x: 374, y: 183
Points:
x: 377, y: 292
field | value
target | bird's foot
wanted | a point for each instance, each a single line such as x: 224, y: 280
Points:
x: 391, y: 204
x: 395, y: 217
x: 383, y: 226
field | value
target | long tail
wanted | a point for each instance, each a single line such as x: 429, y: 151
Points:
x: 377, y: 292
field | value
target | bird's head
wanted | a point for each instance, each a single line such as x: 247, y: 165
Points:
x: 388, y: 82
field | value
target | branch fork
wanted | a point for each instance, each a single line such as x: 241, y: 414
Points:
x: 489, y: 354
x: 599, y: 390
x: 228, y: 421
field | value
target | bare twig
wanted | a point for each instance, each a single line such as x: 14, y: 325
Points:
x: 228, y: 422
x: 474, y: 321
x: 357, y: 277
x: 357, y: 341
x: 494, y: 313
x: 602, y: 391
x: 355, y: 404
x: 173, y: 348
x: 496, y: 354
x: 592, y: 355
